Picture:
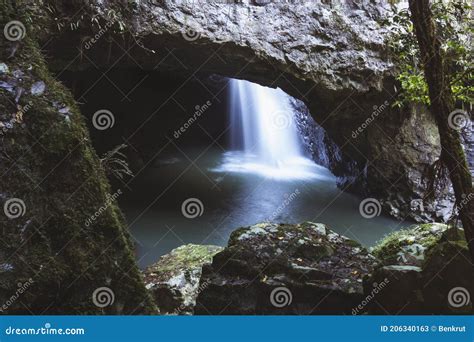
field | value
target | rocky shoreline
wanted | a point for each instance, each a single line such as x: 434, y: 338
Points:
x: 305, y: 269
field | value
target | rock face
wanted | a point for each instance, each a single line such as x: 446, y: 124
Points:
x: 333, y: 58
x: 285, y: 269
x: 324, y: 151
x: 51, y: 260
x: 426, y: 270
x: 415, y: 148
x: 174, y: 280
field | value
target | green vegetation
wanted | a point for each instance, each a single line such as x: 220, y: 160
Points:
x: 455, y: 27
x: 427, y: 235
x: 419, y: 239
x: 183, y: 258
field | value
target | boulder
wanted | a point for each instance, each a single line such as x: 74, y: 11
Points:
x: 174, y: 280
x: 285, y: 269
x: 53, y: 183
x: 408, y: 246
x: 427, y: 269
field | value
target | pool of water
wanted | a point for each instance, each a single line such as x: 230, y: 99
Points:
x: 221, y: 192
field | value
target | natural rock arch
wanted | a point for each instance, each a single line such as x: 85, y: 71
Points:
x: 336, y: 63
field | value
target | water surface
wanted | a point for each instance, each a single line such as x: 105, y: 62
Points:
x: 201, y: 194
x: 231, y: 200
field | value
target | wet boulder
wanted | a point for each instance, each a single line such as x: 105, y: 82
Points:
x: 285, y: 269
x: 427, y: 270
x: 174, y: 280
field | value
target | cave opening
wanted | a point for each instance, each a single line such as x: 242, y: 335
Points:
x: 211, y: 155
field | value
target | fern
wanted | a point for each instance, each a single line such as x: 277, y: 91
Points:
x: 115, y: 164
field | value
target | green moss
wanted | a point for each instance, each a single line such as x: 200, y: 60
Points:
x: 426, y: 235
x: 233, y: 239
x: 48, y: 162
x: 185, y: 257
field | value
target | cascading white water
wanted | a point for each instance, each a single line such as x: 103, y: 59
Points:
x: 264, y: 134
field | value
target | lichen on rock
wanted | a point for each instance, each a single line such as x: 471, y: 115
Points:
x: 320, y: 270
x: 408, y: 246
x: 174, y: 280
x: 422, y: 266
x: 50, y: 169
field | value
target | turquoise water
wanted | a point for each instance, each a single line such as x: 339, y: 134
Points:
x: 153, y: 205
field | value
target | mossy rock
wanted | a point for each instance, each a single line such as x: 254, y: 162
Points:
x: 408, y: 246
x: 173, y: 280
x: 180, y: 259
x: 423, y: 281
x: 320, y: 270
x: 49, y: 164
x: 448, y: 272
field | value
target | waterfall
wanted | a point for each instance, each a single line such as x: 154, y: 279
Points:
x: 264, y: 135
